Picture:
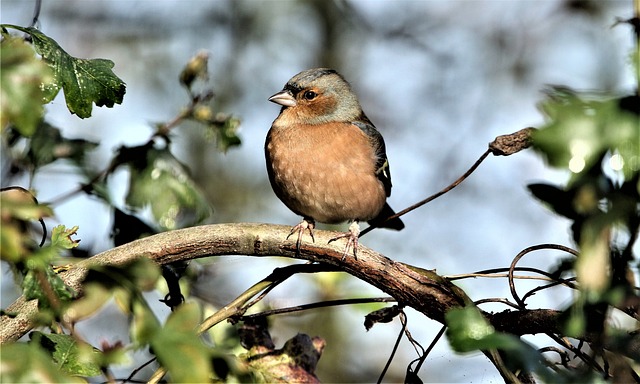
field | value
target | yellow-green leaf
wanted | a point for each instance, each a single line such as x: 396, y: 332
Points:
x: 22, y: 363
x: 180, y: 350
x: 21, y: 78
x: 71, y: 356
x: 61, y: 237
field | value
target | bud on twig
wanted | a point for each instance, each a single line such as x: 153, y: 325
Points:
x: 506, y: 145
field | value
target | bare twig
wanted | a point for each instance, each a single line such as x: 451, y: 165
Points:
x: 36, y: 14
x: 504, y: 145
x: 524, y: 252
x: 321, y: 304
x: 403, y: 321
x: 432, y: 197
x: 435, y: 340
x: 496, y: 300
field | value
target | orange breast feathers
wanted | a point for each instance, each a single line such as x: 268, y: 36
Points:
x: 316, y: 172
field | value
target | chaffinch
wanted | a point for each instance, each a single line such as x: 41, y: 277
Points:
x: 325, y: 159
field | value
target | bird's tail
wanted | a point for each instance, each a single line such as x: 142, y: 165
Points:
x: 379, y: 221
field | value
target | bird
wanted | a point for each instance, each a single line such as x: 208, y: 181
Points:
x: 326, y: 161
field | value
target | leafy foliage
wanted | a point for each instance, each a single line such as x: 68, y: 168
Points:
x: 158, y: 179
x: 84, y: 81
x: 33, y: 263
x: 68, y: 354
x: 596, y: 139
x: 580, y: 131
x: 592, y: 139
x: 28, y: 362
x: 219, y: 126
x: 21, y: 79
x: 44, y: 146
x: 469, y: 331
x: 180, y: 349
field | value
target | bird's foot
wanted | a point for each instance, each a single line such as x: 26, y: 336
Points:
x: 352, y: 240
x: 305, y: 224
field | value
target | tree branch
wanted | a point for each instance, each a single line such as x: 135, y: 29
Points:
x: 421, y: 289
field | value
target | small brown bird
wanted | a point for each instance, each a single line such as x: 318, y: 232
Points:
x: 325, y: 159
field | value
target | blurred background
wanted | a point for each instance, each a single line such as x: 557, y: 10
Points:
x: 440, y: 80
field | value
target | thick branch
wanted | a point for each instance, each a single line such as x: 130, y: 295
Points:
x: 526, y: 322
x: 420, y: 289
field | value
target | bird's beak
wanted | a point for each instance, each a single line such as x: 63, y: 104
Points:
x: 284, y: 98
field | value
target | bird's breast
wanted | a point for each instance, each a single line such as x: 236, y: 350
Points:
x: 325, y: 172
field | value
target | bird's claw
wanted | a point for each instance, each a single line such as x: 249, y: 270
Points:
x: 305, y: 224
x: 352, y: 240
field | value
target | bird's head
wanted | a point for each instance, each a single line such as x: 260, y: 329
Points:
x: 318, y: 96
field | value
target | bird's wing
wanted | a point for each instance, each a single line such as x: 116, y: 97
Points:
x: 377, y: 142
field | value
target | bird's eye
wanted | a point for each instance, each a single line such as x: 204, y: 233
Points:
x: 309, y: 95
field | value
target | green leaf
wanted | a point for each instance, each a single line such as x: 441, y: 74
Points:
x: 125, y: 282
x: 41, y: 283
x: 21, y: 79
x: 575, y: 322
x: 222, y: 128
x: 144, y: 324
x: 61, y: 237
x: 158, y: 179
x: 48, y: 145
x: 84, y: 81
x: 580, y: 131
x: 19, y: 204
x: 635, y: 61
x: 144, y: 273
x: 228, y: 136
x: 22, y: 363
x: 94, y: 297
x: 12, y: 247
x: 141, y: 273
x: 180, y: 350
x: 69, y: 355
x: 593, y: 266
x: 184, y: 320
x: 18, y: 241
x: 469, y: 331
